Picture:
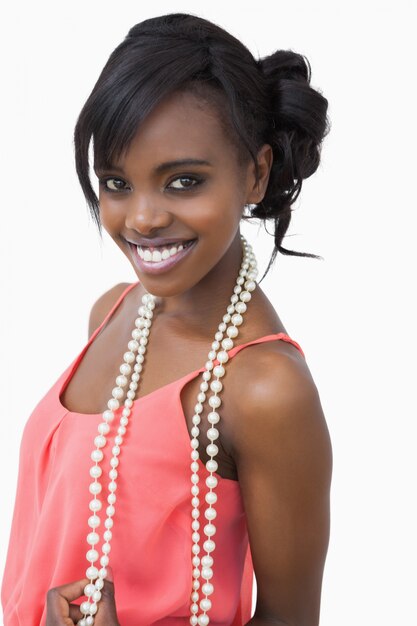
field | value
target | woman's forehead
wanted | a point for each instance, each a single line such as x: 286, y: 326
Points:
x: 181, y: 126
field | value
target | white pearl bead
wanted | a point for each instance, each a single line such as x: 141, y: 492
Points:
x: 95, y: 471
x: 210, y: 513
x: 94, y: 521
x: 92, y: 538
x: 212, y: 433
x: 216, y: 386
x: 214, y: 402
x: 100, y: 441
x: 104, y: 560
x: 211, y: 481
x: 113, y: 404
x: 133, y: 345
x: 117, y: 392
x: 207, y: 572
x: 96, y: 595
x: 110, y: 511
x: 205, y: 604
x: 203, y: 620
x: 93, y: 608
x: 95, y: 505
x: 113, y: 473
x: 103, y: 428
x: 222, y: 356
x: 89, y: 589
x: 129, y: 357
x: 108, y: 535
x: 207, y: 561
x: 237, y: 319
x: 232, y: 332
x: 125, y: 369
x: 245, y: 296
x: 207, y: 588
x: 95, y: 488
x: 212, y: 465
x: 91, y: 572
x: 209, y: 545
x: 227, y: 344
x: 211, y: 497
x: 85, y: 607
x: 213, y: 417
x: 106, y: 547
x: 108, y: 416
x: 121, y: 381
x: 99, y: 584
x: 96, y: 455
x: 108, y: 523
x: 212, y: 449
x: 115, y: 450
x: 92, y: 555
x: 209, y: 530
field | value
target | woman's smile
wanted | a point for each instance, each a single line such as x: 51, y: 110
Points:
x: 160, y: 259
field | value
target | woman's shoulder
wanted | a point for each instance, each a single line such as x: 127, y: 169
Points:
x: 103, y: 304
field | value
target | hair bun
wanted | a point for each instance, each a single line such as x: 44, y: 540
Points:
x: 298, y: 112
x: 285, y: 64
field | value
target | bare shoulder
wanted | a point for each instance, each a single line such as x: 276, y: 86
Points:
x: 278, y: 395
x: 282, y: 450
x: 102, y: 306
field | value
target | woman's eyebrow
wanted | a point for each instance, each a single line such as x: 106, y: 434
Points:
x: 168, y: 165
x: 162, y: 167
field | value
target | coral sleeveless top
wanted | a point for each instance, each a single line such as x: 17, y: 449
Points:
x: 151, y: 547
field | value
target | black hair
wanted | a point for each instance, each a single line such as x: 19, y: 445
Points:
x: 268, y: 100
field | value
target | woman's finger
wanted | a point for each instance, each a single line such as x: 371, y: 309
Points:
x: 58, y: 602
x: 75, y: 613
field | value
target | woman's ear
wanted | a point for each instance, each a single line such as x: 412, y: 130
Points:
x: 257, y: 188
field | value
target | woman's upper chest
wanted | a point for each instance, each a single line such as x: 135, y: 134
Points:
x: 170, y: 356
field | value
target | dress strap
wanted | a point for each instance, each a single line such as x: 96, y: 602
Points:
x: 272, y: 337
x: 112, y: 310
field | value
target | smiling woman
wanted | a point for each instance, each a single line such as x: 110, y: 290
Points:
x: 208, y: 483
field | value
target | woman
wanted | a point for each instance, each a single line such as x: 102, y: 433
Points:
x: 191, y: 135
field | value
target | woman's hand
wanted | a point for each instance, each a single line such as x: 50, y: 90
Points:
x: 60, y: 611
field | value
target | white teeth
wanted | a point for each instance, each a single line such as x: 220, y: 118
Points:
x: 158, y: 255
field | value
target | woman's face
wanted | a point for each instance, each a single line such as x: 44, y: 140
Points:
x: 155, y: 191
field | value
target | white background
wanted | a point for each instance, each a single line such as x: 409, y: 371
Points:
x: 352, y: 313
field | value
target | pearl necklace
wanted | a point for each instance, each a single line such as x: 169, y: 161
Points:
x: 247, y: 276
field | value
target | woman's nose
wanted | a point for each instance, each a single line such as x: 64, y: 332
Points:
x: 145, y: 216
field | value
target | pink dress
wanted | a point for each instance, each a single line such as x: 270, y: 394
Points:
x: 151, y: 547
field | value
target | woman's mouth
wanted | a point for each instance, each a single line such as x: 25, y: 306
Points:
x: 161, y: 258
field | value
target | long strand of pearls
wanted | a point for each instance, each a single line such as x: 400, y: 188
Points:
x: 247, y: 277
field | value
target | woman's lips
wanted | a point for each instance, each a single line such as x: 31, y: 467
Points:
x: 157, y: 267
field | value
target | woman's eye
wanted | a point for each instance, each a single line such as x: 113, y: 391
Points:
x: 115, y: 184
x: 184, y: 182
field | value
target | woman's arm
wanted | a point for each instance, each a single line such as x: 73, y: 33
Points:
x: 282, y: 449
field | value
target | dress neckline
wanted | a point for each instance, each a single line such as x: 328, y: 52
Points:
x: 70, y: 371
x: 177, y: 381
